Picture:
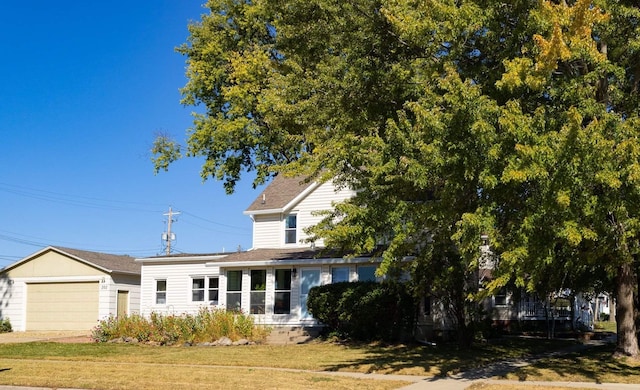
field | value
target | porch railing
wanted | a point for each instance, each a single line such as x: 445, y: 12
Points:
x: 537, y: 310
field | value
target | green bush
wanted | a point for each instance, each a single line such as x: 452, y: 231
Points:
x: 364, y: 310
x: 5, y: 326
x: 206, y: 326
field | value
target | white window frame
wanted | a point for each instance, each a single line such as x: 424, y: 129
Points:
x: 161, y: 293
x: 503, y: 292
x: 206, y: 289
x: 234, y: 292
x: 198, y: 290
x: 288, y: 229
x: 341, y: 267
x: 258, y: 291
x: 209, y: 289
x: 280, y: 290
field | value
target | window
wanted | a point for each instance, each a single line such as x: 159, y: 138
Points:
x: 234, y: 290
x: 339, y: 274
x: 500, y: 299
x: 201, y: 284
x: 282, y: 302
x: 197, y: 289
x: 161, y: 292
x: 258, y: 287
x: 290, y: 229
x: 367, y: 273
x: 213, y: 290
x: 426, y: 305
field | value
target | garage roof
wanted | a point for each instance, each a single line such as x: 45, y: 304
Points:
x: 104, y: 261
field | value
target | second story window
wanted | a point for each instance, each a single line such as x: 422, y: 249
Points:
x: 290, y: 227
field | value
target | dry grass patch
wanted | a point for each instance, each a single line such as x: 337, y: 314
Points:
x: 363, y: 358
x: 113, y: 375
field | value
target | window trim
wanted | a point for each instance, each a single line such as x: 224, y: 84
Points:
x: 209, y: 289
x: 160, y: 293
x: 258, y: 288
x: 502, y: 292
x: 199, y: 290
x: 287, y: 309
x: 288, y: 229
x: 237, y: 292
x: 341, y: 267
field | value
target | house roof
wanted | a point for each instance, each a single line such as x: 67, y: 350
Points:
x: 104, y: 261
x: 112, y: 263
x: 279, y: 195
x: 281, y: 254
x: 293, y: 256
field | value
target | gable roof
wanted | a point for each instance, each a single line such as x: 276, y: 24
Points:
x: 106, y: 262
x: 281, y: 194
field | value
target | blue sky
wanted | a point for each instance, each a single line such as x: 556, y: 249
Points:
x: 84, y: 89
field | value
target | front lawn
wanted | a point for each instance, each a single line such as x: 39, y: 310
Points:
x: 108, y: 365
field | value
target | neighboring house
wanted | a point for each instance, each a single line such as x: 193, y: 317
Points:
x: 68, y: 289
x: 569, y: 310
x: 270, y: 281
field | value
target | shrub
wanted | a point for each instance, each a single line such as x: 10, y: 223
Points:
x: 207, y: 325
x: 364, y: 310
x: 5, y: 326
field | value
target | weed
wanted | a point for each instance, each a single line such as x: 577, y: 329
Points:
x: 206, y: 326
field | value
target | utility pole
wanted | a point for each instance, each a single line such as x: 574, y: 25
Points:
x: 168, y: 236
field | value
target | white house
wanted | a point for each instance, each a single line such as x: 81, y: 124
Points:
x: 68, y: 289
x: 270, y: 281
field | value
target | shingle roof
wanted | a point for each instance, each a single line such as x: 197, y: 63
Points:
x: 279, y: 193
x: 113, y: 263
x: 282, y: 254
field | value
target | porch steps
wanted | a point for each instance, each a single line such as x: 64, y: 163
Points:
x: 293, y: 334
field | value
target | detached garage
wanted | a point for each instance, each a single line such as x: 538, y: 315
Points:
x: 68, y: 289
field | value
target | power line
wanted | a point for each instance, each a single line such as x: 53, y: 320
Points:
x: 45, y: 243
x: 75, y: 200
x: 245, y: 233
x: 213, y: 222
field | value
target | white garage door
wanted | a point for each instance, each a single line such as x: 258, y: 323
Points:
x: 62, y: 306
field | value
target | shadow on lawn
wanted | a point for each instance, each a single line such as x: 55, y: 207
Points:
x: 447, y: 359
x: 595, y: 364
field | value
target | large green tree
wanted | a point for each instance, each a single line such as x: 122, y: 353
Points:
x: 454, y: 119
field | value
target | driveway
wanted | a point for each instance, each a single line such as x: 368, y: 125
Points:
x: 66, y: 336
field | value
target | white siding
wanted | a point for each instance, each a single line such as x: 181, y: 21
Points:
x: 109, y: 287
x: 268, y: 230
x: 179, y: 278
x: 12, y: 302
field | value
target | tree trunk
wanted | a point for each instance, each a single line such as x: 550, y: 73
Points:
x: 625, y: 319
